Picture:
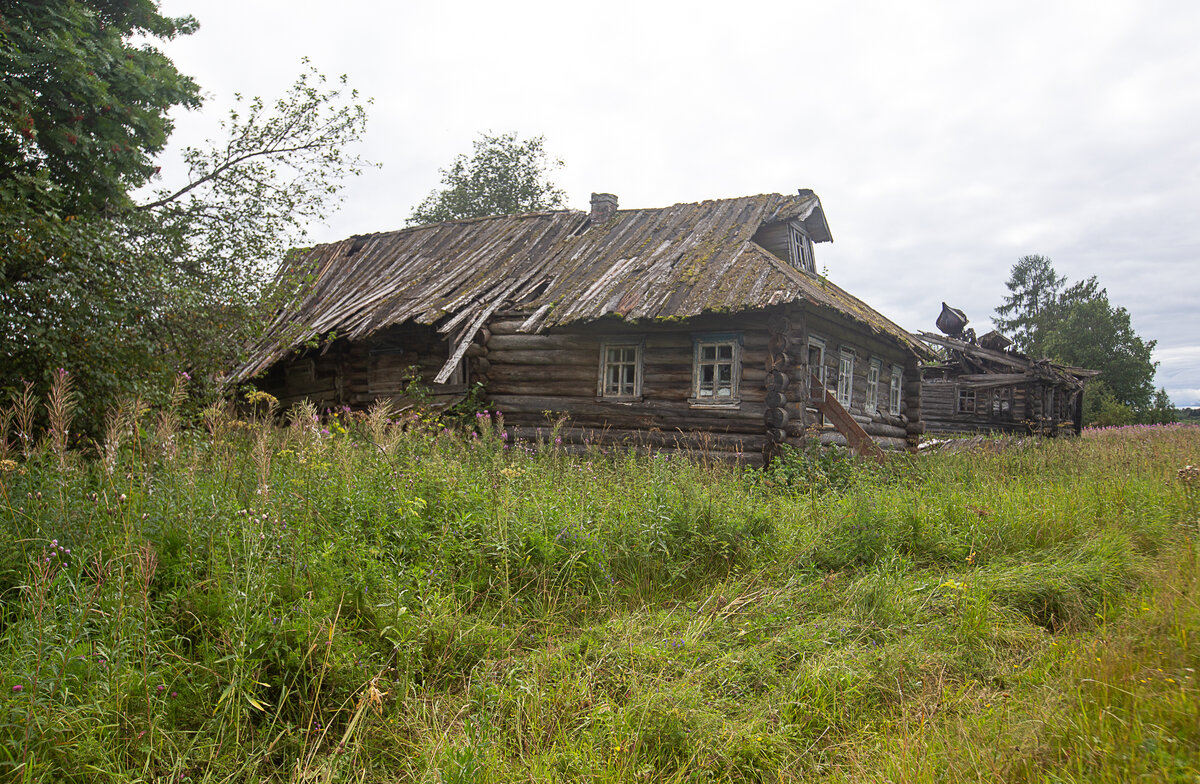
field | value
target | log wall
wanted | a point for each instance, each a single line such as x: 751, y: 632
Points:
x: 838, y: 332
x: 356, y: 374
x: 538, y: 380
x: 1029, y: 413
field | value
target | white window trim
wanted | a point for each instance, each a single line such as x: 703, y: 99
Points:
x: 896, y: 390
x: 639, y: 360
x: 845, y: 382
x: 874, y: 371
x: 734, y: 399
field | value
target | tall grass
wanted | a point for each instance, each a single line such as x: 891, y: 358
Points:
x: 383, y: 598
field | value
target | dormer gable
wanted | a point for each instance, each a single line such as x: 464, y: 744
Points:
x: 790, y: 233
x: 790, y: 241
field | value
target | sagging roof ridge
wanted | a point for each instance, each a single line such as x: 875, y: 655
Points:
x: 677, y: 261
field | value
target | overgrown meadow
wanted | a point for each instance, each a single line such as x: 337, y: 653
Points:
x: 287, y: 596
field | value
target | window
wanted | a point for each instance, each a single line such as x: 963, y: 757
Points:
x: 816, y: 361
x: 873, y: 371
x: 845, y: 382
x: 966, y: 401
x: 816, y: 367
x: 717, y: 369
x: 1002, y: 403
x: 621, y: 370
x: 895, y: 390
x: 800, y: 248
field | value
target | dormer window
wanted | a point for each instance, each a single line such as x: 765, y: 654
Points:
x: 800, y: 248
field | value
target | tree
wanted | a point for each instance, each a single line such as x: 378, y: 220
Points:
x: 504, y: 176
x: 83, y: 111
x: 1033, y: 287
x: 123, y: 294
x: 1084, y: 329
x: 1102, y: 409
x: 1077, y: 325
x: 1162, y: 411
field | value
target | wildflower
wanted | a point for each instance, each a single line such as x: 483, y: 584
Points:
x: 18, y: 688
x: 259, y: 396
x: 8, y: 465
x: 161, y: 687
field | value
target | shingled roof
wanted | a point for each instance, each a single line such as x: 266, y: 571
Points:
x: 560, y: 268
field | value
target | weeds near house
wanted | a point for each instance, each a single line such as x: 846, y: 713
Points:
x: 377, y: 597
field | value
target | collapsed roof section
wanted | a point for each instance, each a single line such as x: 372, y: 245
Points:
x: 991, y: 363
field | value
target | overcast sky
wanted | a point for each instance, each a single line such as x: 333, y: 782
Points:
x: 945, y: 139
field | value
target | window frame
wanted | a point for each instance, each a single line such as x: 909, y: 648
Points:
x: 716, y: 340
x: 1001, y: 403
x: 896, y: 390
x: 845, y: 379
x: 817, y: 342
x: 874, y: 371
x: 961, y: 396
x: 800, y: 249
x: 638, y: 347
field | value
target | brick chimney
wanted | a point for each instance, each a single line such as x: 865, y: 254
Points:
x: 604, y: 206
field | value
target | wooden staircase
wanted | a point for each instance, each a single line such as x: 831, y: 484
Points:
x: 860, y: 443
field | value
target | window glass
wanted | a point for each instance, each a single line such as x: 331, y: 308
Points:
x: 845, y: 385
x: 873, y: 372
x: 620, y: 371
x: 966, y: 401
x: 895, y: 389
x: 716, y: 369
x: 1002, y: 403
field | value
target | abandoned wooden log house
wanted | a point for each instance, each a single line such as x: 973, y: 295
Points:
x: 981, y: 386
x: 698, y: 325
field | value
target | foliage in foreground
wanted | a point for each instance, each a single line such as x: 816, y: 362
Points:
x: 380, y: 598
